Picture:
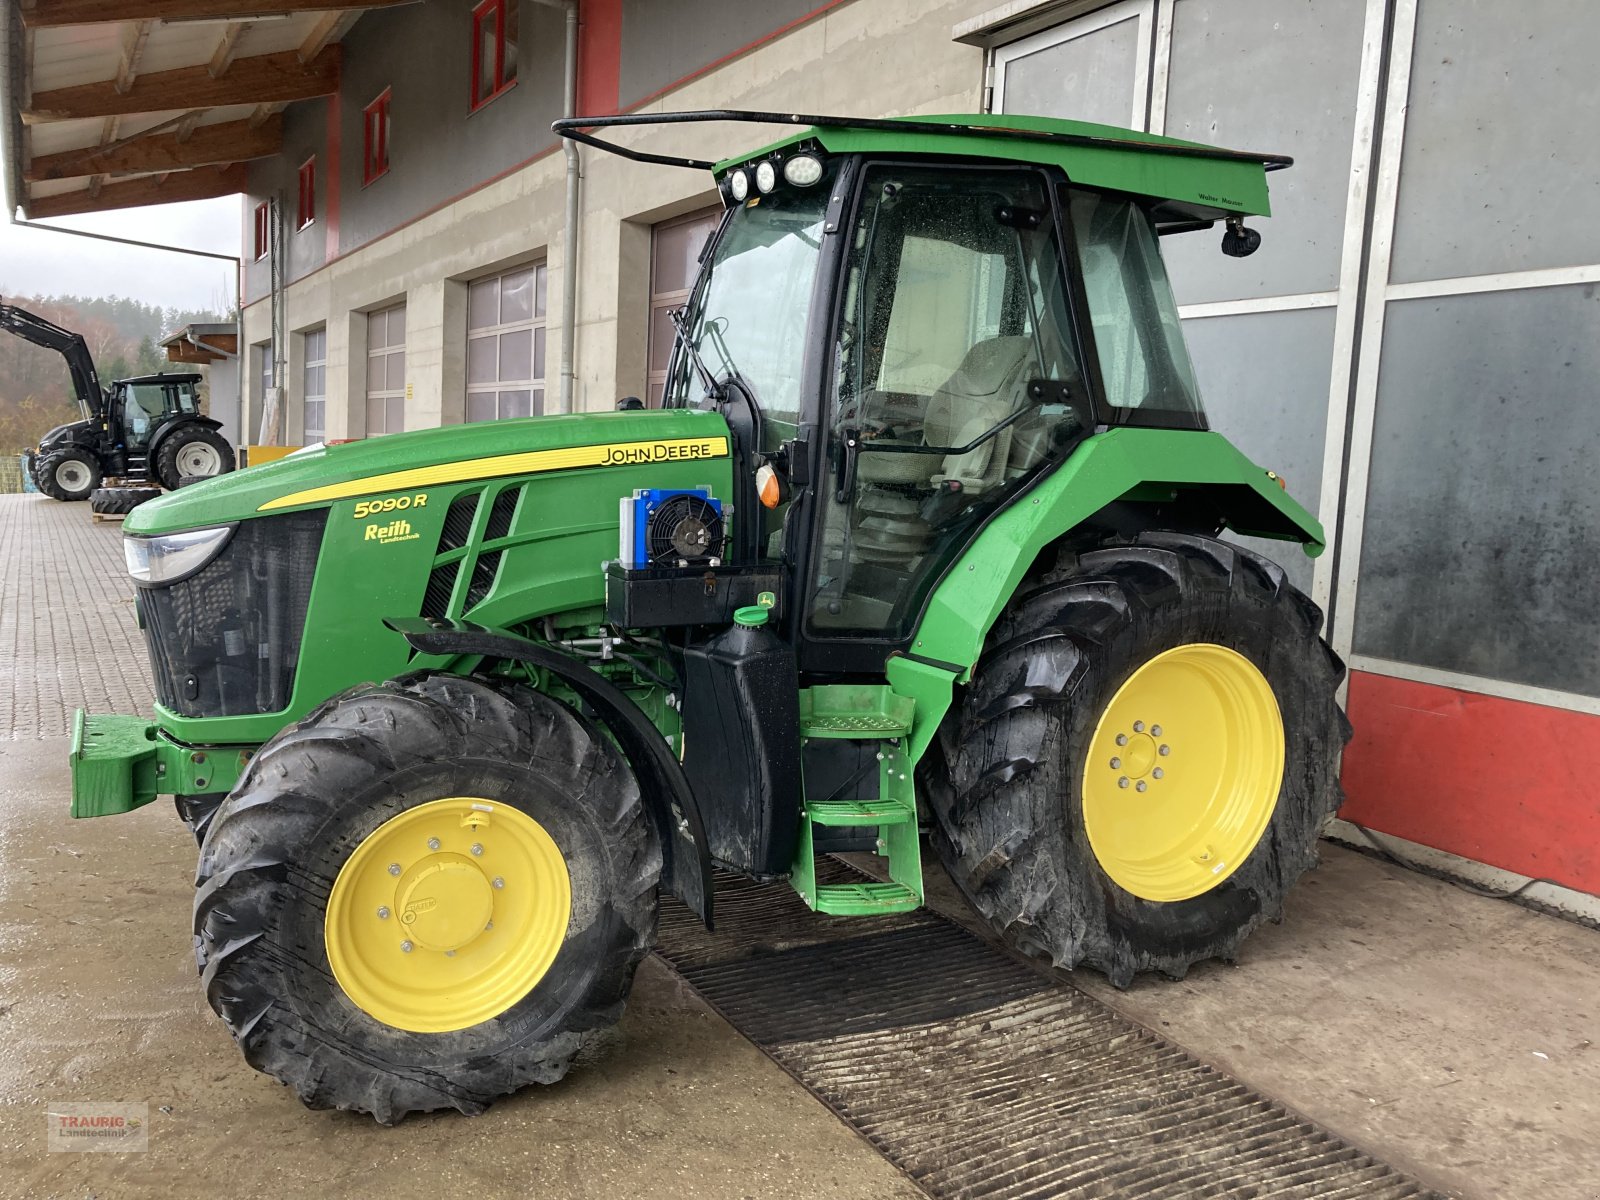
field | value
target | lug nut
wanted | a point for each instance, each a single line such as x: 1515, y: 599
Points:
x: 1123, y: 782
x: 449, y: 953
x: 1122, y: 739
x: 1140, y: 786
x: 405, y: 947
x: 394, y: 868
x: 489, y: 926
x: 1138, y: 726
x: 1165, y: 750
x: 383, y: 913
x: 1155, y: 731
x: 1158, y: 772
x: 497, y: 882
x: 1115, y: 763
x: 433, y: 843
x: 477, y: 847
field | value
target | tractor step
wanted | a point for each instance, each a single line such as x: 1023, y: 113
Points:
x: 865, y: 899
x: 859, y: 812
x: 868, y: 714
x: 865, y: 712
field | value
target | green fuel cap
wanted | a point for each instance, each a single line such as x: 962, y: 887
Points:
x: 754, y: 615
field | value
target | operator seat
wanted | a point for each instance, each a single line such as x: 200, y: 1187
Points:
x: 986, y: 388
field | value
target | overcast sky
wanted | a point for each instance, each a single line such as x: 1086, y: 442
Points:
x: 36, y: 262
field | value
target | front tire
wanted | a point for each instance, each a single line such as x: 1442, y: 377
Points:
x: 1143, y: 763
x: 524, y: 898
x: 192, y: 453
x: 72, y: 474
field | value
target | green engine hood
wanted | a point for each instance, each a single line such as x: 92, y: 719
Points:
x: 429, y: 457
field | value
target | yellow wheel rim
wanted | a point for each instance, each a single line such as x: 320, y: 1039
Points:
x: 1183, y: 772
x: 447, y: 914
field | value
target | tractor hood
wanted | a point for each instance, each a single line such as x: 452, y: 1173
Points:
x: 321, y: 475
x: 74, y: 433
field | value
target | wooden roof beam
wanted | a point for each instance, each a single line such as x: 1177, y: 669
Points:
x: 203, y: 184
x: 261, y: 79
x: 330, y: 27
x: 227, y: 46
x: 206, y: 146
x: 47, y: 13
x: 134, y: 38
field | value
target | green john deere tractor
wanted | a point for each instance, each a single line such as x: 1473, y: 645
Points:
x: 926, y: 533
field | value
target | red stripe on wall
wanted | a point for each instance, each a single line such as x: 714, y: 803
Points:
x: 1503, y: 782
x: 599, y: 57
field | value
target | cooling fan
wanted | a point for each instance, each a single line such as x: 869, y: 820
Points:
x: 672, y: 528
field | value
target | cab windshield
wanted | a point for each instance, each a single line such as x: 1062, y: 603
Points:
x: 748, y: 318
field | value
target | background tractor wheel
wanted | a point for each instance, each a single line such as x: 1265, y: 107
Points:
x: 120, y: 500
x: 1144, y: 760
x: 71, y: 474
x: 194, y: 452
x: 425, y: 895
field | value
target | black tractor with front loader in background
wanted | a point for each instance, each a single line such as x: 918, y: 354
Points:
x: 145, y: 431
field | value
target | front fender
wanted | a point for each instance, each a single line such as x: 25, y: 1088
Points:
x: 686, y: 862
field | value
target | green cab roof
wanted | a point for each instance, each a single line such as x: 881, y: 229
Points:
x: 1200, y: 177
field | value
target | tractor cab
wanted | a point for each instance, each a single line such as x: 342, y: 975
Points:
x: 910, y: 335
x: 137, y: 408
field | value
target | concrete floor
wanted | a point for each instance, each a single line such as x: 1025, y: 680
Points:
x: 1451, y: 1035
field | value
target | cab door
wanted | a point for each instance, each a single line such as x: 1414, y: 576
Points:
x: 956, y: 379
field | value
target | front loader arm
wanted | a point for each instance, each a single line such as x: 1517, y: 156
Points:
x: 85, y: 379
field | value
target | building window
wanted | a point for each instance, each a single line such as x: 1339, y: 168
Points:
x: 306, y: 208
x: 375, y: 139
x: 494, y: 49
x: 386, y: 371
x: 505, y: 345
x: 316, y: 386
x: 263, y: 240
x: 674, y: 259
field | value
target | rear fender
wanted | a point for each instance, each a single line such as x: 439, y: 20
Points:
x: 686, y: 862
x: 1138, y: 466
x: 168, y: 428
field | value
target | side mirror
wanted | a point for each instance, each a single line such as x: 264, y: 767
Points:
x: 629, y: 404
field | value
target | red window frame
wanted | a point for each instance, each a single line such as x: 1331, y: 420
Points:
x: 375, y: 138
x: 495, y: 73
x: 263, y: 228
x: 306, y: 208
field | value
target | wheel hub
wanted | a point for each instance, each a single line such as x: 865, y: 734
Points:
x: 444, y: 902
x: 447, y: 914
x: 1183, y: 772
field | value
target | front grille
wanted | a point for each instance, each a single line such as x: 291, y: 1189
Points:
x: 225, y: 641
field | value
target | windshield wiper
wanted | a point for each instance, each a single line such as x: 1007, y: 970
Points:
x: 707, y: 380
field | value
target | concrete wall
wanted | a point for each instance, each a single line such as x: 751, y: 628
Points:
x: 427, y: 260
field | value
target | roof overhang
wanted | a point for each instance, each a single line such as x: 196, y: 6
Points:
x: 109, y: 104
x: 202, y: 343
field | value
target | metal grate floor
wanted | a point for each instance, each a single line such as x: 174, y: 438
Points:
x: 980, y: 1076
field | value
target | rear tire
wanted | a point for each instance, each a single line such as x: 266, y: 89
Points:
x: 328, y: 792
x: 192, y: 452
x: 71, y: 474
x: 119, y: 501
x: 1024, y: 751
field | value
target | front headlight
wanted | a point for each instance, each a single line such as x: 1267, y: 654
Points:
x: 173, y: 556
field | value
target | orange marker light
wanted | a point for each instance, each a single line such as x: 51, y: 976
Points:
x: 768, y: 487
